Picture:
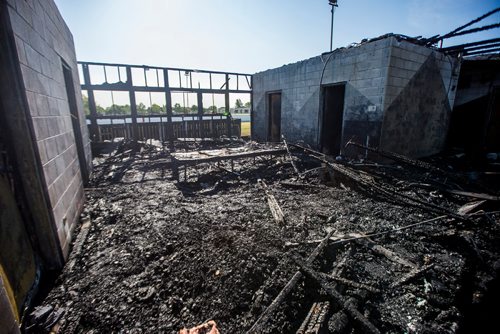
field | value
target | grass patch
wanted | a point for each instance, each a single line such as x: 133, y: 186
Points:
x: 245, y: 129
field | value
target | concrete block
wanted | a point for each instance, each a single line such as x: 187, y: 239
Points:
x: 21, y: 53
x: 46, y: 67
x: 34, y: 81
x: 392, y: 90
x: 57, y: 90
x: 61, y: 168
x: 51, y: 148
x: 40, y: 127
x: 32, y: 103
x: 398, y: 82
x: 20, y: 27
x: 42, y: 152
x: 59, y: 187
x: 61, y: 143
x: 377, y: 82
x: 52, y: 128
x: 33, y: 58
x: 26, y: 12
x: 38, y: 22
x: 398, y: 62
x: 37, y: 43
x: 53, y: 104
x: 50, y: 172
x: 399, y: 72
x: 61, y: 231
x: 397, y: 52
x: 372, y: 92
x: 70, y: 155
x: 412, y: 66
x: 373, y: 73
x: 42, y: 104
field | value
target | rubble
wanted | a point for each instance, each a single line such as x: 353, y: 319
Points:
x: 366, y: 251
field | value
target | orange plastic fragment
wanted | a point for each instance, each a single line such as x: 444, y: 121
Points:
x: 202, y: 329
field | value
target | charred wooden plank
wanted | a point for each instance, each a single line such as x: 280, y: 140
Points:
x: 412, y: 275
x: 275, y: 208
x: 290, y: 156
x: 264, y: 317
x: 337, y: 298
x: 474, y: 195
x: 389, y: 254
x: 187, y: 161
x: 315, y: 320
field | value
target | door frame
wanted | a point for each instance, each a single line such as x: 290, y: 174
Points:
x: 321, y: 113
x: 75, y: 120
x: 268, y: 107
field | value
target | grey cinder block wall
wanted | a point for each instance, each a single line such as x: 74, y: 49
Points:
x: 45, y: 152
x: 43, y: 45
x: 398, y: 96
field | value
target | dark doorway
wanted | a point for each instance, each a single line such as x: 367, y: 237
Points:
x: 274, y: 105
x: 474, y: 124
x: 333, y: 110
x: 75, y: 121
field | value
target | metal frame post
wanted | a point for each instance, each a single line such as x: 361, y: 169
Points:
x: 226, y: 96
x: 94, y: 128
x: 133, y: 106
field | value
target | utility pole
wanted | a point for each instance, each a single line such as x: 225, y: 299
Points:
x: 334, y: 4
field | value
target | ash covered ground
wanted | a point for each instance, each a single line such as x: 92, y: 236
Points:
x: 162, y: 254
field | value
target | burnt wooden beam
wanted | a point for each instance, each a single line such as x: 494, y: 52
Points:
x: 196, y: 161
x: 274, y: 207
x: 359, y: 319
x: 290, y: 156
x: 264, y: 317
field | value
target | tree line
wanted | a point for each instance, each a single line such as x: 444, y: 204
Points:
x: 155, y: 109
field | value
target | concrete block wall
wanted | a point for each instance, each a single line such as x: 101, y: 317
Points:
x: 43, y: 43
x: 297, y: 83
x: 362, y: 68
x: 398, y: 96
x: 419, y: 95
x: 407, y: 58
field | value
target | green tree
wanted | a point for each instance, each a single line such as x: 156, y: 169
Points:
x: 194, y: 108
x: 238, y: 104
x: 86, y: 108
x: 177, y: 108
x: 117, y: 110
x: 141, y: 109
x: 212, y: 109
x: 248, y: 104
x: 100, y: 110
x: 155, y: 109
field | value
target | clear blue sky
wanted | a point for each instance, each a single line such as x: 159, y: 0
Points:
x: 250, y: 35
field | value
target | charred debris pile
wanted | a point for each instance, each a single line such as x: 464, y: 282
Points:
x: 279, y: 238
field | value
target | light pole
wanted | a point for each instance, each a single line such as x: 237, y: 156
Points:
x: 334, y: 4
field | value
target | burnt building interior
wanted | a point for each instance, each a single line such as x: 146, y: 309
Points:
x: 364, y: 198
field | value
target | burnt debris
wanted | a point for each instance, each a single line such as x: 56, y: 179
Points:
x: 257, y: 244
